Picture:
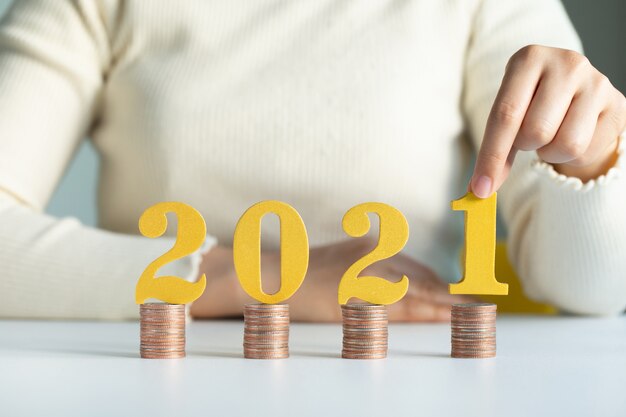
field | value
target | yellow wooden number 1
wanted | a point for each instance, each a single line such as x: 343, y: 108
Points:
x: 480, y: 247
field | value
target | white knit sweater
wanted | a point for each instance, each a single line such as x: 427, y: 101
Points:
x: 320, y: 103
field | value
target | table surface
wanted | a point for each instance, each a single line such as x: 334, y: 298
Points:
x: 546, y: 366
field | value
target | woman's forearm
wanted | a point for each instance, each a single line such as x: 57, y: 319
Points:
x: 59, y: 268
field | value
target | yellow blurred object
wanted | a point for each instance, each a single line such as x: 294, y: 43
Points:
x: 516, y: 301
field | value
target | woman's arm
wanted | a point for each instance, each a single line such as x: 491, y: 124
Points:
x: 54, y: 56
x: 427, y: 298
x: 58, y: 268
x: 564, y: 236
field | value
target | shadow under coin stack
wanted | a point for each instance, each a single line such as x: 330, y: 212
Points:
x: 266, y: 331
x: 474, y: 330
x: 365, y: 331
x: 162, y: 331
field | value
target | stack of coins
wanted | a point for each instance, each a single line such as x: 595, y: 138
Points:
x: 162, y: 331
x: 266, y: 331
x: 474, y: 330
x: 364, y: 331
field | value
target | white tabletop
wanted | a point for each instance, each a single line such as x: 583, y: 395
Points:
x: 546, y: 366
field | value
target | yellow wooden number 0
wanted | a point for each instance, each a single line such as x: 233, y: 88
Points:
x: 392, y: 236
x: 189, y: 238
x: 480, y: 247
x: 294, y: 251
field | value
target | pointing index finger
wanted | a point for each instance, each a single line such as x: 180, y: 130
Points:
x: 505, y: 119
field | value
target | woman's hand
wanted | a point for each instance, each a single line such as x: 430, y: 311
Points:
x: 427, y: 298
x: 555, y: 102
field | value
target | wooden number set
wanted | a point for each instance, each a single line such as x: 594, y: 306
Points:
x: 159, y: 341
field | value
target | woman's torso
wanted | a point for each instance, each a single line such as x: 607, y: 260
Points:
x: 321, y: 104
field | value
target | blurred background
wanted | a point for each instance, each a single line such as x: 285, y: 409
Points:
x: 600, y: 24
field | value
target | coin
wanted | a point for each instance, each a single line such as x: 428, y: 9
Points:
x: 162, y: 331
x: 364, y: 331
x: 266, y: 331
x: 473, y: 328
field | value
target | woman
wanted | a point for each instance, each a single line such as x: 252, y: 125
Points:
x: 324, y: 105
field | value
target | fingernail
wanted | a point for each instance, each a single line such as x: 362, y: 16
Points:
x: 482, y: 186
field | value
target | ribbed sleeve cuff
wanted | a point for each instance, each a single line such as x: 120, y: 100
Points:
x: 563, y: 182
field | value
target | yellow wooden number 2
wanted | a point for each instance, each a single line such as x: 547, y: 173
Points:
x: 392, y: 236
x: 294, y: 251
x: 480, y: 247
x: 189, y: 238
